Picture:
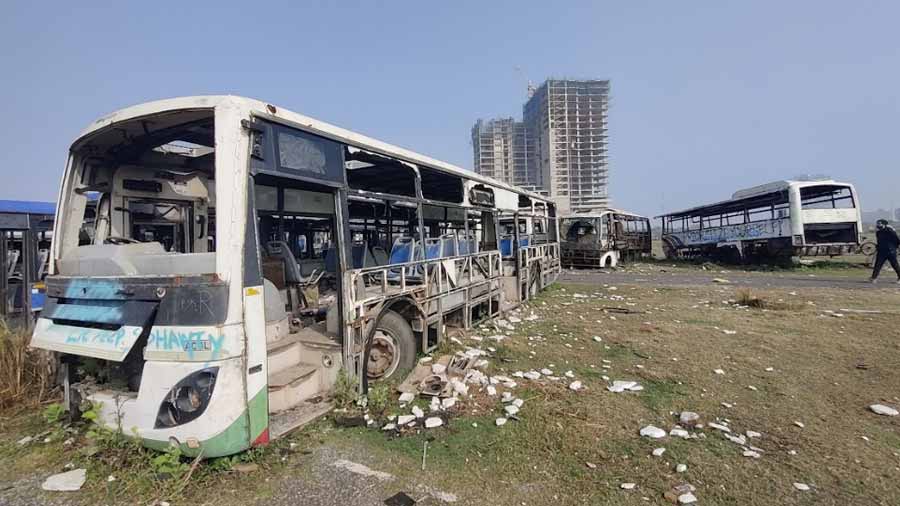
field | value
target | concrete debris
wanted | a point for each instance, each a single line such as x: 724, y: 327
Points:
x: 362, y: 470
x: 25, y: 440
x: 518, y: 403
x: 799, y: 424
x: 417, y: 412
x: 406, y: 419
x: 433, y: 422
x: 390, y: 426
x: 688, y: 418
x: 687, y: 498
x: 598, y: 339
x: 679, y: 432
x: 407, y: 397
x: 721, y: 281
x: 546, y: 372
x: 627, y: 486
x: 653, y: 432
x: 718, y: 426
x: 881, y: 409
x: 532, y: 375
x: 680, y: 468
x: 448, y: 402
x: 575, y: 386
x: 719, y: 371
x: 752, y: 454
x: 622, y: 386
x: 501, y: 422
x: 751, y: 433
x: 740, y: 439
x: 803, y: 487
x: 511, y: 409
x: 69, y: 481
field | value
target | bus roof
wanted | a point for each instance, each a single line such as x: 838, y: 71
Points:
x: 598, y: 213
x: 755, y: 192
x: 27, y: 207
x: 313, y: 125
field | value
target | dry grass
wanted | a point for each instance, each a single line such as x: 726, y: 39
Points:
x: 26, y: 375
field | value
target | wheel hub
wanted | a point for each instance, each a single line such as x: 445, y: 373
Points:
x: 383, y: 357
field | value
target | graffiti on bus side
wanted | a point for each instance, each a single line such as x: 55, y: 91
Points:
x: 744, y: 232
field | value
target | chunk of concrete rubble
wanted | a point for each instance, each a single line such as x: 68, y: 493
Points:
x: 751, y: 454
x: 621, y: 386
x: 433, y: 422
x: 500, y: 422
x: 25, y: 440
x: 688, y: 418
x: 718, y: 426
x: 678, y: 432
x: 532, y: 375
x: 407, y: 397
x: 518, y: 403
x: 390, y: 426
x: 362, y: 470
x: 680, y: 468
x: 448, y: 403
x: 570, y: 374
x: 546, y: 372
x: 417, y: 412
x: 652, y: 431
x: 688, y: 498
x: 575, y: 386
x: 751, y: 433
x: 627, y: 486
x: 740, y: 439
x: 459, y: 387
x: 438, y: 368
x: 803, y: 487
x: 881, y: 409
x: 658, y: 452
x: 799, y: 424
x: 719, y: 371
x: 69, y: 481
x: 721, y: 281
x: 405, y: 419
x: 491, y: 390
x: 507, y: 397
x: 511, y: 409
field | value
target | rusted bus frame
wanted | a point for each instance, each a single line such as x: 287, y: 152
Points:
x: 367, y: 309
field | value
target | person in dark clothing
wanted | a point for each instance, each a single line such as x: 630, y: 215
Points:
x: 888, y: 243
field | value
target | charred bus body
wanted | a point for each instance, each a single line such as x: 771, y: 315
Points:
x: 770, y: 222
x: 217, y: 260
x: 604, y: 238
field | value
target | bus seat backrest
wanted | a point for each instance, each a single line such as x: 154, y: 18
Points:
x: 448, y: 246
x: 433, y: 248
x: 280, y: 249
x: 524, y: 241
x: 362, y: 257
x: 331, y: 260
x: 506, y: 246
x: 402, y: 251
x: 380, y: 255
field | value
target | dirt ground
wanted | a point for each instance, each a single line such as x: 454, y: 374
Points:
x: 799, y: 366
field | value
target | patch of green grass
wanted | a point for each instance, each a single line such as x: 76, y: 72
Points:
x: 660, y: 396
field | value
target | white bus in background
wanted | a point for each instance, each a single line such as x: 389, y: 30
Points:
x: 778, y: 220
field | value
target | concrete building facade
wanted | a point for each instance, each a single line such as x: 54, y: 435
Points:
x: 560, y: 149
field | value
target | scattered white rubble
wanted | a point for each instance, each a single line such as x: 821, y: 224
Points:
x: 431, y: 423
x: 687, y: 498
x: 680, y: 468
x: 575, y: 386
x: 719, y: 371
x: 598, y: 339
x: 518, y: 403
x: 362, y: 470
x: 688, y: 418
x: 110, y: 479
x: 752, y: 433
x: 511, y: 409
x: 417, y: 412
x: 491, y: 390
x: 801, y: 486
x: 500, y: 422
x: 621, y: 386
x: 881, y: 409
x: 65, y: 482
x: 389, y: 426
x: 25, y: 440
x: 679, y: 432
x: 532, y: 375
x: 751, y: 453
x: 438, y: 368
x: 627, y: 486
x: 652, y: 431
x: 718, y: 426
x: 546, y: 372
x: 729, y: 332
x: 799, y: 424
x: 405, y: 419
x: 406, y: 397
x: 448, y: 402
x: 658, y: 452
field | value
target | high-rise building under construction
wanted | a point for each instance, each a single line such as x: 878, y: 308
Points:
x: 560, y: 149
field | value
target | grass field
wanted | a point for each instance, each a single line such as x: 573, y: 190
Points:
x: 806, y: 359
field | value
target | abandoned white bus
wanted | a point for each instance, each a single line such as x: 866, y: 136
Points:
x: 778, y: 220
x: 597, y: 239
x: 240, y: 255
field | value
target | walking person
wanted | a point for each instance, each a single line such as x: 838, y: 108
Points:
x: 888, y: 243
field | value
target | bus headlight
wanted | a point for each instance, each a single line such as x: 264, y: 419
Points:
x: 188, y: 399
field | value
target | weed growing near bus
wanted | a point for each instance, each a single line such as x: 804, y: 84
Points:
x: 25, y: 377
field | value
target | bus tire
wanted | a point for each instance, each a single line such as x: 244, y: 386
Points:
x: 393, y: 347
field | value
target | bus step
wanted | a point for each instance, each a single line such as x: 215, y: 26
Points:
x: 292, y: 386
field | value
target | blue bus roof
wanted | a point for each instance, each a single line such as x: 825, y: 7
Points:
x: 27, y: 207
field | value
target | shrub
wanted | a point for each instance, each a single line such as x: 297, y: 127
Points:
x: 26, y: 375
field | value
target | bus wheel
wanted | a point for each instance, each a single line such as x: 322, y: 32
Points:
x: 393, y: 348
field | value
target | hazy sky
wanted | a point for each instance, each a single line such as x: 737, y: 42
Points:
x: 707, y: 97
